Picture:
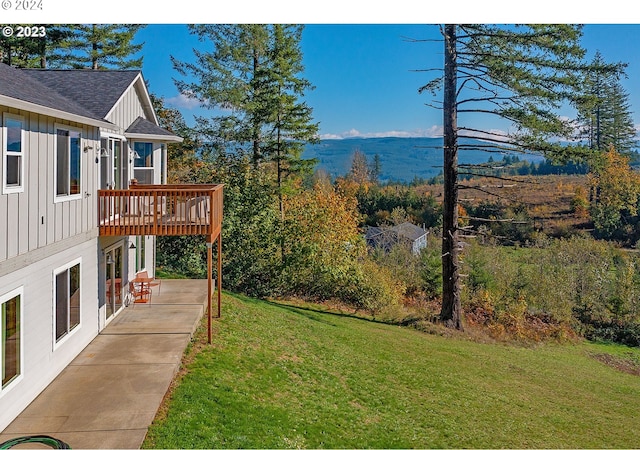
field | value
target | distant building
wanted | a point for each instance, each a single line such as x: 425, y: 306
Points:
x: 405, y: 233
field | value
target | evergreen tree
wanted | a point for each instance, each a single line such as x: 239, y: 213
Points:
x: 603, y: 110
x: 98, y: 46
x: 252, y: 81
x: 521, y: 73
x: 228, y: 80
x: 32, y: 51
x: 618, y: 128
x: 289, y: 120
x: 375, y: 169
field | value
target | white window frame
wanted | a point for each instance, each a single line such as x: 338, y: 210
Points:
x: 57, y: 198
x: 10, y: 189
x: 126, y: 154
x: 74, y: 330
x: 152, y: 167
x: 18, y: 292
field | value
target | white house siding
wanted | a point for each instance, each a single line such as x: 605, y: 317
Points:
x: 31, y: 219
x: 41, y: 361
x: 128, y: 109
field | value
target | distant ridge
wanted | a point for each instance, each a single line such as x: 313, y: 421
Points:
x: 402, y: 159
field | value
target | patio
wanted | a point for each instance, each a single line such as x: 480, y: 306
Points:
x: 108, y: 396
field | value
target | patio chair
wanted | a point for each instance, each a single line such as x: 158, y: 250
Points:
x: 139, y: 294
x: 155, y: 282
x: 192, y: 210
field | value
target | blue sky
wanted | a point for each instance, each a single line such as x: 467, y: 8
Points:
x: 355, y: 52
x: 366, y: 76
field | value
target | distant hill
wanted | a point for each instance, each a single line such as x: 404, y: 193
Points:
x: 402, y: 159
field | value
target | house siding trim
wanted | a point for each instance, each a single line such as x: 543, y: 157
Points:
x: 22, y: 261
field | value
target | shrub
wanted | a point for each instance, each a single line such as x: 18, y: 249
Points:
x: 588, y: 285
x: 325, y: 255
x: 431, y: 271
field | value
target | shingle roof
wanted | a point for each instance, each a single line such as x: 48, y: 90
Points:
x: 87, y: 93
x: 144, y: 126
x: 95, y: 90
x: 21, y: 85
x: 409, y: 230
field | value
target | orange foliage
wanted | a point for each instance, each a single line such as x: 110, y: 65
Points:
x: 322, y: 216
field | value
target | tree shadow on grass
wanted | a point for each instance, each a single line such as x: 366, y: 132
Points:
x: 308, y: 312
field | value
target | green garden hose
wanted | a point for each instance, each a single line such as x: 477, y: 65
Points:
x: 40, y: 439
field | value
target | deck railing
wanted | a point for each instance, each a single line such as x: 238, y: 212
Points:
x: 160, y: 210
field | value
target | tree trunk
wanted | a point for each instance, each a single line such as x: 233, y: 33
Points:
x: 94, y: 46
x: 255, y: 122
x: 451, y: 309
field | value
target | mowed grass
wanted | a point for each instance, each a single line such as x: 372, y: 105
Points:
x: 284, y: 377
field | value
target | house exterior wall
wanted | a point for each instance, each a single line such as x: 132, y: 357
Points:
x: 34, y: 218
x: 43, y: 358
x: 419, y: 244
x: 41, y: 234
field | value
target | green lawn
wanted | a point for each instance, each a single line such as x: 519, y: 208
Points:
x: 279, y: 376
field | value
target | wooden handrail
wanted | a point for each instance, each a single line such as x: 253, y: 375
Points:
x: 168, y: 210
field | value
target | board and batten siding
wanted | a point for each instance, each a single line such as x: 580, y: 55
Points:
x: 128, y: 109
x: 32, y: 219
x: 43, y: 359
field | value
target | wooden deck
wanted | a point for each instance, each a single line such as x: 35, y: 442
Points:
x: 161, y: 210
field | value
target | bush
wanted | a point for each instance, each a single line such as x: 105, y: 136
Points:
x: 431, y: 271
x: 325, y: 255
x: 628, y: 334
x: 589, y: 285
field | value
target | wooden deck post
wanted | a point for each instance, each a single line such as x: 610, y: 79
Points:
x: 219, y: 274
x: 209, y: 284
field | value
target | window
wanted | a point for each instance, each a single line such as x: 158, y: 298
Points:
x: 140, y: 252
x: 67, y: 300
x: 143, y: 162
x: 67, y: 163
x: 114, y: 167
x: 11, y: 337
x: 13, y: 154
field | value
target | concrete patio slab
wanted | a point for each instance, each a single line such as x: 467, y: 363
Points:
x: 110, y: 393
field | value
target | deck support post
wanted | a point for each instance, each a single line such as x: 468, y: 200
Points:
x: 209, y: 284
x: 219, y: 274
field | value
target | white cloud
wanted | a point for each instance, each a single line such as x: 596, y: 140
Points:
x: 493, y: 133
x: 434, y: 131
x: 184, y: 101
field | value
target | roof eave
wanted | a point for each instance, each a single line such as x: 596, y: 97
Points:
x: 152, y: 137
x: 45, y: 110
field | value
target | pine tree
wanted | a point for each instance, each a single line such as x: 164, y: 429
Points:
x: 618, y: 128
x: 290, y: 123
x: 228, y: 80
x: 99, y: 46
x: 522, y: 74
x: 375, y: 169
x: 252, y: 80
x: 603, y: 110
x: 32, y: 51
